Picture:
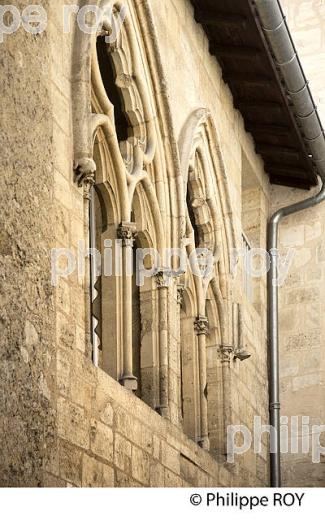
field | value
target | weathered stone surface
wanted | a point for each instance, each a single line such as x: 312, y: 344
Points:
x: 302, y: 327
x: 96, y: 474
x: 101, y: 440
x: 73, y: 424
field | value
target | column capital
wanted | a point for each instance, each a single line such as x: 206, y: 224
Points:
x: 127, y: 232
x: 201, y: 326
x: 163, y: 278
x: 180, y: 293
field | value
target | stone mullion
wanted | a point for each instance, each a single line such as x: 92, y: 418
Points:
x: 201, y: 329
x: 126, y: 233
x: 180, y: 299
x: 162, y: 281
x: 85, y: 177
x: 226, y: 355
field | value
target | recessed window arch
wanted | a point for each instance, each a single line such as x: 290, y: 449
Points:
x: 198, y: 207
x: 114, y: 93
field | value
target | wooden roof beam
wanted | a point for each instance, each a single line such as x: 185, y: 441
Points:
x: 276, y: 169
x: 256, y: 128
x: 291, y: 182
x: 243, y: 79
x: 245, y: 104
x: 236, y: 51
x: 270, y: 149
x: 215, y: 19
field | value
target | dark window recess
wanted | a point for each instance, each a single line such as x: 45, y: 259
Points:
x: 192, y: 219
x: 113, y: 92
x: 136, y: 325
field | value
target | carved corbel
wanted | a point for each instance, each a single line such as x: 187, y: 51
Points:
x: 227, y: 352
x: 85, y: 174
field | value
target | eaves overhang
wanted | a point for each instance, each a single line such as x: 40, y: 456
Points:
x: 237, y: 40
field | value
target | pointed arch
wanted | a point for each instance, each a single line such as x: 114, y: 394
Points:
x: 199, y: 142
x: 145, y: 157
x: 121, y: 117
x: 209, y: 224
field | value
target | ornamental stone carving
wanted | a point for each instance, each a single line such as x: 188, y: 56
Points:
x: 180, y: 294
x: 201, y: 326
x: 226, y: 353
x: 127, y: 233
x: 163, y: 279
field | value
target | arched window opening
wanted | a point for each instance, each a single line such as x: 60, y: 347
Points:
x: 108, y: 74
x: 97, y: 222
x: 191, y: 214
x: 199, y: 208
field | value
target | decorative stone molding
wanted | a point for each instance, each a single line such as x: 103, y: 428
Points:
x: 226, y: 353
x: 163, y: 279
x: 127, y: 232
x: 85, y: 174
x: 180, y: 294
x: 201, y: 326
x: 140, y: 78
x: 129, y: 382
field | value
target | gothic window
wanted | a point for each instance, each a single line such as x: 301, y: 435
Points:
x: 124, y: 145
x: 119, y: 124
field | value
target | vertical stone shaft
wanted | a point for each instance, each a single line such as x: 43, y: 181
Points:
x: 226, y: 352
x: 201, y: 329
x: 87, y: 182
x: 162, y: 284
x: 126, y: 232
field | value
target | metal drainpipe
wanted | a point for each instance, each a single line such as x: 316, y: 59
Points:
x: 275, y: 28
x: 274, y: 377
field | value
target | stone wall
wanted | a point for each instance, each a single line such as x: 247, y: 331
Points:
x: 28, y: 351
x: 302, y: 295
x: 73, y: 424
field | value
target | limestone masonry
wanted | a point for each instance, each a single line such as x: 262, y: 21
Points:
x: 104, y: 382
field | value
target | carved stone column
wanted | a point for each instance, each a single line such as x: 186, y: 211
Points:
x: 201, y: 326
x: 127, y: 232
x: 226, y: 357
x: 85, y: 178
x: 163, y: 281
x: 180, y: 299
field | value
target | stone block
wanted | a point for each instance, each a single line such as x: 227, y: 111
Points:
x: 172, y: 480
x: 96, y: 474
x: 73, y: 423
x: 101, y: 440
x: 140, y: 466
x: 157, y: 475
x: 70, y: 463
x: 122, y: 454
x: 170, y: 458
